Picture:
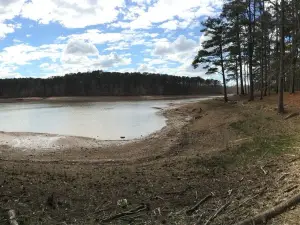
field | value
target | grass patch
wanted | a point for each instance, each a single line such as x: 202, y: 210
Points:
x: 250, y: 152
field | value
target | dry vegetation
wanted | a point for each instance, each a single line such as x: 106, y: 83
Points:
x: 243, y: 153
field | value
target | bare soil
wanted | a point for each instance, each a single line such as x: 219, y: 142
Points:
x: 242, y: 152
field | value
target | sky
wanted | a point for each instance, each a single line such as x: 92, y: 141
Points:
x: 44, y: 38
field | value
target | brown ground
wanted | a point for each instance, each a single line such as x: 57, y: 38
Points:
x: 225, y: 149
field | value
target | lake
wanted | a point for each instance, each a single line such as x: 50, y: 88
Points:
x: 100, y: 120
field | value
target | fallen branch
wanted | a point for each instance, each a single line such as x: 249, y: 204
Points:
x: 127, y: 213
x: 292, y: 115
x: 195, y: 207
x: 265, y: 172
x: 271, y: 213
x: 217, y: 213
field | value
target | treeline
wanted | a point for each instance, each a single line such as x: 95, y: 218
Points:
x: 99, y: 83
x: 256, y: 44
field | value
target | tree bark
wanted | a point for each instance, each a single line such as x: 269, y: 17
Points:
x: 282, y: 51
x: 250, y: 52
x: 236, y: 76
x: 223, y: 74
x: 240, y: 56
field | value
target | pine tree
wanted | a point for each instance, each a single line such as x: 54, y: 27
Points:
x: 211, y: 57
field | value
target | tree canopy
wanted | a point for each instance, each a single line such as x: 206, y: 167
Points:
x: 100, y: 83
x: 257, y: 41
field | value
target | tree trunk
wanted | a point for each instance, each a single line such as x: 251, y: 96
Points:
x: 236, y: 76
x: 282, y: 51
x: 223, y: 74
x: 294, y: 50
x: 277, y: 48
x: 240, y: 56
x: 250, y: 52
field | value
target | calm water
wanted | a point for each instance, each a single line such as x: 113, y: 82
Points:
x: 101, y: 120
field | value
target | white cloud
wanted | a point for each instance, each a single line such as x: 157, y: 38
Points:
x: 72, y: 14
x: 114, y: 40
x: 170, y: 25
x: 10, y: 8
x: 111, y: 60
x: 164, y: 10
x: 181, y: 44
x: 22, y: 54
x: 146, y: 68
x: 79, y: 48
x: 175, y: 24
x: 94, y: 36
x: 16, y: 40
x: 7, y: 29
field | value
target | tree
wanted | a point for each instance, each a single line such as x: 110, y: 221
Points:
x: 99, y: 83
x: 282, y: 54
x: 211, y: 57
x: 234, y: 13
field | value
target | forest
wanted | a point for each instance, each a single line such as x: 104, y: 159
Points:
x: 256, y: 44
x: 100, y: 83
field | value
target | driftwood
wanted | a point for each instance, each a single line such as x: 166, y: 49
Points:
x: 217, y: 213
x: 142, y: 207
x: 292, y: 115
x: 195, y: 207
x: 262, y: 218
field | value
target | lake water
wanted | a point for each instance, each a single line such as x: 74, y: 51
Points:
x: 101, y: 120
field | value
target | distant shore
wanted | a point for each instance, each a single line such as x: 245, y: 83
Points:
x: 101, y: 98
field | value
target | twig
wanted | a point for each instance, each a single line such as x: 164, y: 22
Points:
x: 130, y: 212
x: 195, y: 207
x: 265, y: 172
x: 291, y: 188
x: 98, y: 210
x: 262, y: 218
x: 217, y: 213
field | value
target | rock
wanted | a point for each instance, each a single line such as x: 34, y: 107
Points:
x: 122, y: 203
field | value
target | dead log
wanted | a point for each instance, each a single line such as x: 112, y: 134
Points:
x: 262, y: 218
x: 195, y: 207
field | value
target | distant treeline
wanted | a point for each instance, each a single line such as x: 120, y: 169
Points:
x: 99, y: 83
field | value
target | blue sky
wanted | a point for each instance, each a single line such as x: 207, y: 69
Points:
x: 43, y: 38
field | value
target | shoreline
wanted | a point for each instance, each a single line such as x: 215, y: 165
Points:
x: 103, y: 98
x: 50, y: 147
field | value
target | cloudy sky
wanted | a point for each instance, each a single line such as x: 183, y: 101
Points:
x: 42, y: 38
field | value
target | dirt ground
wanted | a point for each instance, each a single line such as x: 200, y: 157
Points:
x: 242, y: 152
